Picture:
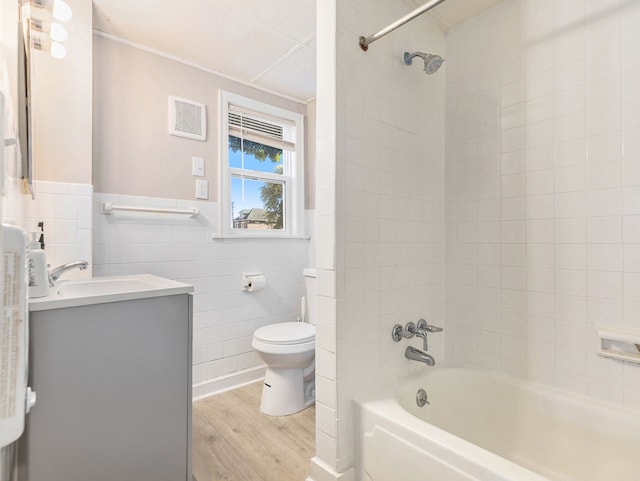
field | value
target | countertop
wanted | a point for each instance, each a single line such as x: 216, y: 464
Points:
x: 100, y: 290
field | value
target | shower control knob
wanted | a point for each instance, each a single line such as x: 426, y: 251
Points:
x: 396, y: 333
x: 409, y: 330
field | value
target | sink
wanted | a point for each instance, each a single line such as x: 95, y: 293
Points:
x: 100, y: 290
x: 101, y: 287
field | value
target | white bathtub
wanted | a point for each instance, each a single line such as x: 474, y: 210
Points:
x: 482, y: 425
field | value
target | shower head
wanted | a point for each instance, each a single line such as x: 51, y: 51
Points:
x: 431, y: 62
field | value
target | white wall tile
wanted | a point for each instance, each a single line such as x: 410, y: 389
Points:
x: 381, y: 253
x: 581, y: 230
x: 604, y: 257
x: 66, y: 211
x: 182, y: 249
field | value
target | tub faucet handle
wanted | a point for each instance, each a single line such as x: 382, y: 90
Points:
x: 423, y: 329
x: 425, y: 326
x: 407, y: 332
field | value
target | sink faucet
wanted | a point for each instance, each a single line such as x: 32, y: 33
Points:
x: 418, y: 355
x: 55, y: 274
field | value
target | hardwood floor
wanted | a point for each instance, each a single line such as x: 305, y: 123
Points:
x: 234, y: 441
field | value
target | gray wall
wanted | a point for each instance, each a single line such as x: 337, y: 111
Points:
x: 133, y: 153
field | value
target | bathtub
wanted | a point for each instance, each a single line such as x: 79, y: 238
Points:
x: 481, y: 425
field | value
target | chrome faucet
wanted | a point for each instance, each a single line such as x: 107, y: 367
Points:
x: 418, y: 355
x: 421, y: 330
x: 55, y: 274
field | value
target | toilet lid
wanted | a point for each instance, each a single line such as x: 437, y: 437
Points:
x: 286, y: 333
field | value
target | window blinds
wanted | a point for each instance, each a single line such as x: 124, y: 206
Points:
x: 263, y: 129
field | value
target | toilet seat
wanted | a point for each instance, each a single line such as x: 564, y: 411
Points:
x: 286, y: 333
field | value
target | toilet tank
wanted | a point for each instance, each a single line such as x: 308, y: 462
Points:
x: 310, y: 287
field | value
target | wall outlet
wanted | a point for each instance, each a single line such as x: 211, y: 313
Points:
x: 202, y: 189
x: 197, y: 168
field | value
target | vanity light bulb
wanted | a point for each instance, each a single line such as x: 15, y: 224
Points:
x: 62, y: 10
x: 58, y: 33
x: 57, y: 50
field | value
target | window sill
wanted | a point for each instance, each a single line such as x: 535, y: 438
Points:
x: 259, y: 236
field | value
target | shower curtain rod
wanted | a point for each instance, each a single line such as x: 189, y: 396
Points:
x: 366, y: 41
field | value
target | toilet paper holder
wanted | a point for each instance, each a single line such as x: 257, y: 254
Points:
x: 253, y: 281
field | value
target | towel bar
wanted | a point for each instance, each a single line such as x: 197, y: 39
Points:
x: 107, y: 208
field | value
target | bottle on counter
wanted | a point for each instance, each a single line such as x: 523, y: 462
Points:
x: 37, y: 266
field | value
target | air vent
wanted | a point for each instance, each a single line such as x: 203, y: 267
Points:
x: 187, y: 118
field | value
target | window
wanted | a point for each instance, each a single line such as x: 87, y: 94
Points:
x: 261, y: 169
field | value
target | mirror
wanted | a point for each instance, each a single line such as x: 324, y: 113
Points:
x: 25, y: 134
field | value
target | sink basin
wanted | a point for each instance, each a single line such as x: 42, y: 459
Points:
x: 100, y: 290
x: 101, y: 287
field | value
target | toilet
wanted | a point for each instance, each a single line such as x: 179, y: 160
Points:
x: 288, y: 350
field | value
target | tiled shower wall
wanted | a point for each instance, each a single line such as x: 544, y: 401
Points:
x: 380, y: 208
x: 543, y: 190
x: 181, y: 248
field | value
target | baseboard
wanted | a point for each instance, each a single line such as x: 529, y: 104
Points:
x: 321, y: 471
x: 227, y: 382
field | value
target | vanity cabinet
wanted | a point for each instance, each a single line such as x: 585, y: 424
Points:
x: 113, y: 386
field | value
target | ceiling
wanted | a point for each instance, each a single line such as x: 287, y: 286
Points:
x: 454, y: 12
x: 269, y: 44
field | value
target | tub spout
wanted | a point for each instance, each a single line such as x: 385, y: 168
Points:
x: 420, y: 356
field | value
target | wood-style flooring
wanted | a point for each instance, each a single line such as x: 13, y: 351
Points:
x: 234, y: 441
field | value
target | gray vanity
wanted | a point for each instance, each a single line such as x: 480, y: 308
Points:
x: 110, y: 362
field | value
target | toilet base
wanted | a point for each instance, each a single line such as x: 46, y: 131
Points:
x: 285, y: 391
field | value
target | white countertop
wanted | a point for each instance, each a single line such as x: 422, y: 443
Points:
x: 100, y: 290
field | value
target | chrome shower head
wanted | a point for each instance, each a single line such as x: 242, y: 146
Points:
x: 431, y: 62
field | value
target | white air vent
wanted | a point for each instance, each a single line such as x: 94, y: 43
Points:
x: 187, y: 118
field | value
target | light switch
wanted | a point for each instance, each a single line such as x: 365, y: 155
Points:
x: 202, y: 189
x: 197, y: 166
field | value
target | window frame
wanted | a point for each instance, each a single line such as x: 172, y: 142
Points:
x: 292, y: 177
